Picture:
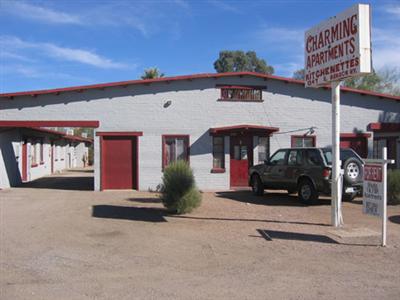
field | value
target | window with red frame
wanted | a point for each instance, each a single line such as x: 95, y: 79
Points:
x: 301, y: 141
x: 218, y: 153
x: 175, y: 147
x: 241, y: 93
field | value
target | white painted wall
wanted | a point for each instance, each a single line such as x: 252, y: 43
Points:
x: 11, y: 157
x: 194, y: 109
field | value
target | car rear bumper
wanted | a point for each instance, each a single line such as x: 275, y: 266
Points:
x: 355, y: 188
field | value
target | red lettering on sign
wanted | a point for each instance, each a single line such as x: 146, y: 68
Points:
x: 373, y: 173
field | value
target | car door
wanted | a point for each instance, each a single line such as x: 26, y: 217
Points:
x: 274, y: 170
x: 293, y: 169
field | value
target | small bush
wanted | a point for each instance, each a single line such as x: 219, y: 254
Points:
x: 393, y: 187
x: 179, y: 193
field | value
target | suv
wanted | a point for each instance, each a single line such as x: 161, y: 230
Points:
x: 308, y: 172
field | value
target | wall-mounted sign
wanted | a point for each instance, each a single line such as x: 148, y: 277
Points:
x: 339, y: 47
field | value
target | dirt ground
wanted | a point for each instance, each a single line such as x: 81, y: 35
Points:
x: 77, y: 244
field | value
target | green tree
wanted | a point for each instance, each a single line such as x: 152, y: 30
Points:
x: 152, y: 73
x: 239, y: 61
x: 299, y: 74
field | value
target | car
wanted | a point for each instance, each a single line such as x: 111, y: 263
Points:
x: 307, y: 171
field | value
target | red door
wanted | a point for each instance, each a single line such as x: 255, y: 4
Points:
x: 241, y: 148
x: 24, y: 162
x: 52, y: 158
x: 119, y: 170
x: 358, y: 144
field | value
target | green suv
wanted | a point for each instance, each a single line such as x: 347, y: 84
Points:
x: 307, y: 171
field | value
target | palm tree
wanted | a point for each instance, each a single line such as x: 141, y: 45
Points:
x: 152, y: 73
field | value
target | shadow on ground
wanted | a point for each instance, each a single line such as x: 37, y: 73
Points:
x: 80, y: 171
x: 145, y: 214
x: 72, y: 183
x: 145, y: 200
x: 270, y: 235
x: 248, y: 220
x: 395, y: 219
x: 273, y: 199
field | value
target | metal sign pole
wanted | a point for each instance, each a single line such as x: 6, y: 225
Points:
x: 384, y: 210
x: 335, y: 205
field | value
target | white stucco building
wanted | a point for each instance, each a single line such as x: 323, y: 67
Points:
x: 27, y: 154
x: 221, y: 123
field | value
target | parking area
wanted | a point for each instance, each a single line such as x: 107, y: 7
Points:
x: 79, y: 244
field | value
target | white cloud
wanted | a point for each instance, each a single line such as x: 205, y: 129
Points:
x: 13, y: 56
x: 393, y: 10
x: 147, y: 18
x: 39, y: 13
x: 63, y: 53
x: 280, y: 36
x: 385, y: 48
x: 82, y: 56
x: 224, y: 6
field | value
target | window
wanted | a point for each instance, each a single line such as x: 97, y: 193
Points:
x: 218, y: 153
x: 295, y: 158
x: 378, y: 147
x: 314, y: 158
x: 278, y: 158
x: 301, y: 141
x: 175, y: 147
x: 263, y: 148
x: 241, y: 93
x: 34, y: 154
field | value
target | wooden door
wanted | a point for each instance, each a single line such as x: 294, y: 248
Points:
x: 119, y: 168
x: 52, y: 157
x: 241, y: 159
x: 24, y: 161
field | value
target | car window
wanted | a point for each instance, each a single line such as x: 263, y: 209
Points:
x: 278, y: 158
x: 345, y: 154
x: 314, y: 158
x: 328, y: 157
x: 295, y: 158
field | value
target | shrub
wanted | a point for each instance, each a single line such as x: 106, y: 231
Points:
x: 393, y: 187
x: 179, y: 193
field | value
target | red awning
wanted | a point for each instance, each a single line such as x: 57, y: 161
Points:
x: 249, y: 129
x: 383, y: 127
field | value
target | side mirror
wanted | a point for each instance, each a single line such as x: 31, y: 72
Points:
x: 266, y: 161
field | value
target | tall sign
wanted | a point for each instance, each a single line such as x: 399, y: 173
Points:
x: 336, y: 49
x: 339, y: 47
x: 375, y: 189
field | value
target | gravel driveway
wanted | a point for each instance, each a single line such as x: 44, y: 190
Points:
x: 79, y: 244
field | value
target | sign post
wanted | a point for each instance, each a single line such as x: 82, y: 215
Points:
x: 375, y: 189
x: 336, y: 49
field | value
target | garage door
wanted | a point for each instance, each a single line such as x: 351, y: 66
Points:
x: 119, y: 162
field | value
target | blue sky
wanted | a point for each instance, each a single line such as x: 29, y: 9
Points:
x: 48, y: 44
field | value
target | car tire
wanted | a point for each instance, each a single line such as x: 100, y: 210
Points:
x: 257, y: 186
x: 307, y: 192
x: 349, y: 197
x: 353, y: 171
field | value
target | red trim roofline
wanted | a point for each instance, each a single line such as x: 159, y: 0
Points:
x: 184, y: 77
x: 50, y: 123
x: 243, y: 127
x: 62, y: 135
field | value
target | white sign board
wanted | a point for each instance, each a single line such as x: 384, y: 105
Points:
x: 339, y: 48
x: 373, y: 190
